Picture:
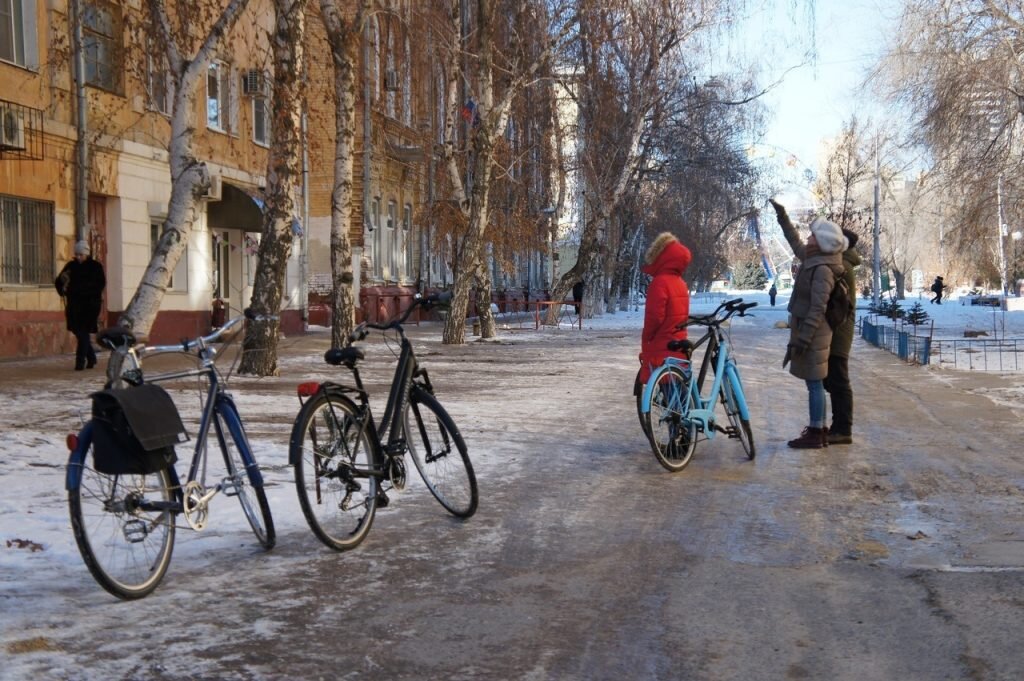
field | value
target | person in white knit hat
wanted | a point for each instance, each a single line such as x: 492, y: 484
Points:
x: 810, y: 336
x: 837, y: 381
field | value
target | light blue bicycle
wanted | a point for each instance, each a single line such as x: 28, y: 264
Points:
x: 673, y: 410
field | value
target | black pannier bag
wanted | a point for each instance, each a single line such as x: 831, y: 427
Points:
x: 135, y: 430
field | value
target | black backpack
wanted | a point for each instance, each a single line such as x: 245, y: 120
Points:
x: 840, y: 304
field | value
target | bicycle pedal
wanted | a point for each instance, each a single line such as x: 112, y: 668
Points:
x: 382, y: 500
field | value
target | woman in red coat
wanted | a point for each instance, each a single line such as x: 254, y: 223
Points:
x: 668, y: 301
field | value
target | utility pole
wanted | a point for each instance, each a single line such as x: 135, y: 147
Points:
x: 876, y: 284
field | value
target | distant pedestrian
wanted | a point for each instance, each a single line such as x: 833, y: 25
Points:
x: 772, y: 292
x: 577, y: 295
x: 937, y: 287
x: 80, y: 285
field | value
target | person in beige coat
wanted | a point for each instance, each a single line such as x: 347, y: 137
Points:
x: 810, y: 336
x: 837, y: 382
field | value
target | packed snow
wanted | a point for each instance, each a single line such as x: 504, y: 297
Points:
x: 38, y: 551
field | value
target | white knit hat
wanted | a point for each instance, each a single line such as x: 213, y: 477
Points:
x: 829, y: 236
x: 82, y: 248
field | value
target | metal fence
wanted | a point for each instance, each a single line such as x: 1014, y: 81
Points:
x: 980, y: 354
x: 903, y: 344
x: 973, y: 354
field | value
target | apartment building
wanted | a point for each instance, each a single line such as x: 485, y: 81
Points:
x: 127, y: 97
x: 127, y: 94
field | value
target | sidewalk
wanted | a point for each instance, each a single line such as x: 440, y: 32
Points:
x: 56, y: 371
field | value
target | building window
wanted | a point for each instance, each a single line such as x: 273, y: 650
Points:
x: 407, y: 240
x: 161, y: 84
x: 391, y: 245
x: 261, y: 120
x: 179, y: 279
x: 26, y: 241
x: 378, y: 246
x: 101, y: 29
x: 220, y: 98
x: 221, y: 249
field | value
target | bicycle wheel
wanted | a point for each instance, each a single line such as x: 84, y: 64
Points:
x: 439, y: 453
x: 333, y: 457
x: 124, y: 541
x: 673, y: 436
x: 238, y: 460
x: 735, y: 405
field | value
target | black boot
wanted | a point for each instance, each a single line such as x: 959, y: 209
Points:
x: 810, y: 438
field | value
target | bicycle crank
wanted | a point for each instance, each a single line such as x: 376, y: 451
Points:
x: 194, y: 505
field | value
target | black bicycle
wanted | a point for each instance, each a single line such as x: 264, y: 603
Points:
x: 345, y: 463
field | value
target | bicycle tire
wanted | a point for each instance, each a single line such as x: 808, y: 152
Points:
x: 735, y: 404
x: 238, y: 460
x: 430, y: 435
x: 673, y: 437
x: 127, y: 549
x: 332, y: 454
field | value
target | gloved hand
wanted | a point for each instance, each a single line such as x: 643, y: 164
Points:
x: 794, y: 350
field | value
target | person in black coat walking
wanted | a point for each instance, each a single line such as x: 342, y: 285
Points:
x: 80, y: 284
x: 937, y: 287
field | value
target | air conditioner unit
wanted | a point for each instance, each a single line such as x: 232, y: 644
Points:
x: 12, y: 129
x: 391, y: 80
x: 216, y: 189
x: 254, y: 83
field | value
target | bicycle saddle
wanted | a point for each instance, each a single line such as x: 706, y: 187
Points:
x: 347, y: 356
x: 116, y: 337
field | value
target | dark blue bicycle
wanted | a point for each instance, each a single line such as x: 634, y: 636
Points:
x: 123, y: 513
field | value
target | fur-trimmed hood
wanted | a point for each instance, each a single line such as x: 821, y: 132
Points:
x: 666, y: 253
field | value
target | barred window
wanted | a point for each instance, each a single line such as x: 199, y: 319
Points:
x: 26, y: 241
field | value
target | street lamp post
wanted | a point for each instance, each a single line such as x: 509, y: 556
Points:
x: 1002, y: 232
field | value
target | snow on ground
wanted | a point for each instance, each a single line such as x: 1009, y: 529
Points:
x: 39, y: 561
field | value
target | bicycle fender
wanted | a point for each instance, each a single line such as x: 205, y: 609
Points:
x: 645, y: 402
x: 229, y: 412
x: 737, y: 387
x: 73, y: 475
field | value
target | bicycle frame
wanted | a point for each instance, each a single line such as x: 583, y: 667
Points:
x: 406, y: 372
x: 702, y: 409
x: 218, y: 406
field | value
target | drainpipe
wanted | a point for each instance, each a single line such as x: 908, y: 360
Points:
x: 81, y: 144
x: 367, y: 157
x: 304, y: 243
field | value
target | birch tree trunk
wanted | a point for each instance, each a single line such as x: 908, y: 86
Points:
x: 259, y: 349
x: 343, y: 37
x: 487, y: 123
x: 189, y: 177
x: 646, y: 35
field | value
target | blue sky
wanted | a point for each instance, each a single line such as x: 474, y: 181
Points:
x: 820, y: 70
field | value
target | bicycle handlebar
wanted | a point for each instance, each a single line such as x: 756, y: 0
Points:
x: 736, y: 306
x: 363, y: 330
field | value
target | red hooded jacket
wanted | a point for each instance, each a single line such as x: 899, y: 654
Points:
x: 668, y: 301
